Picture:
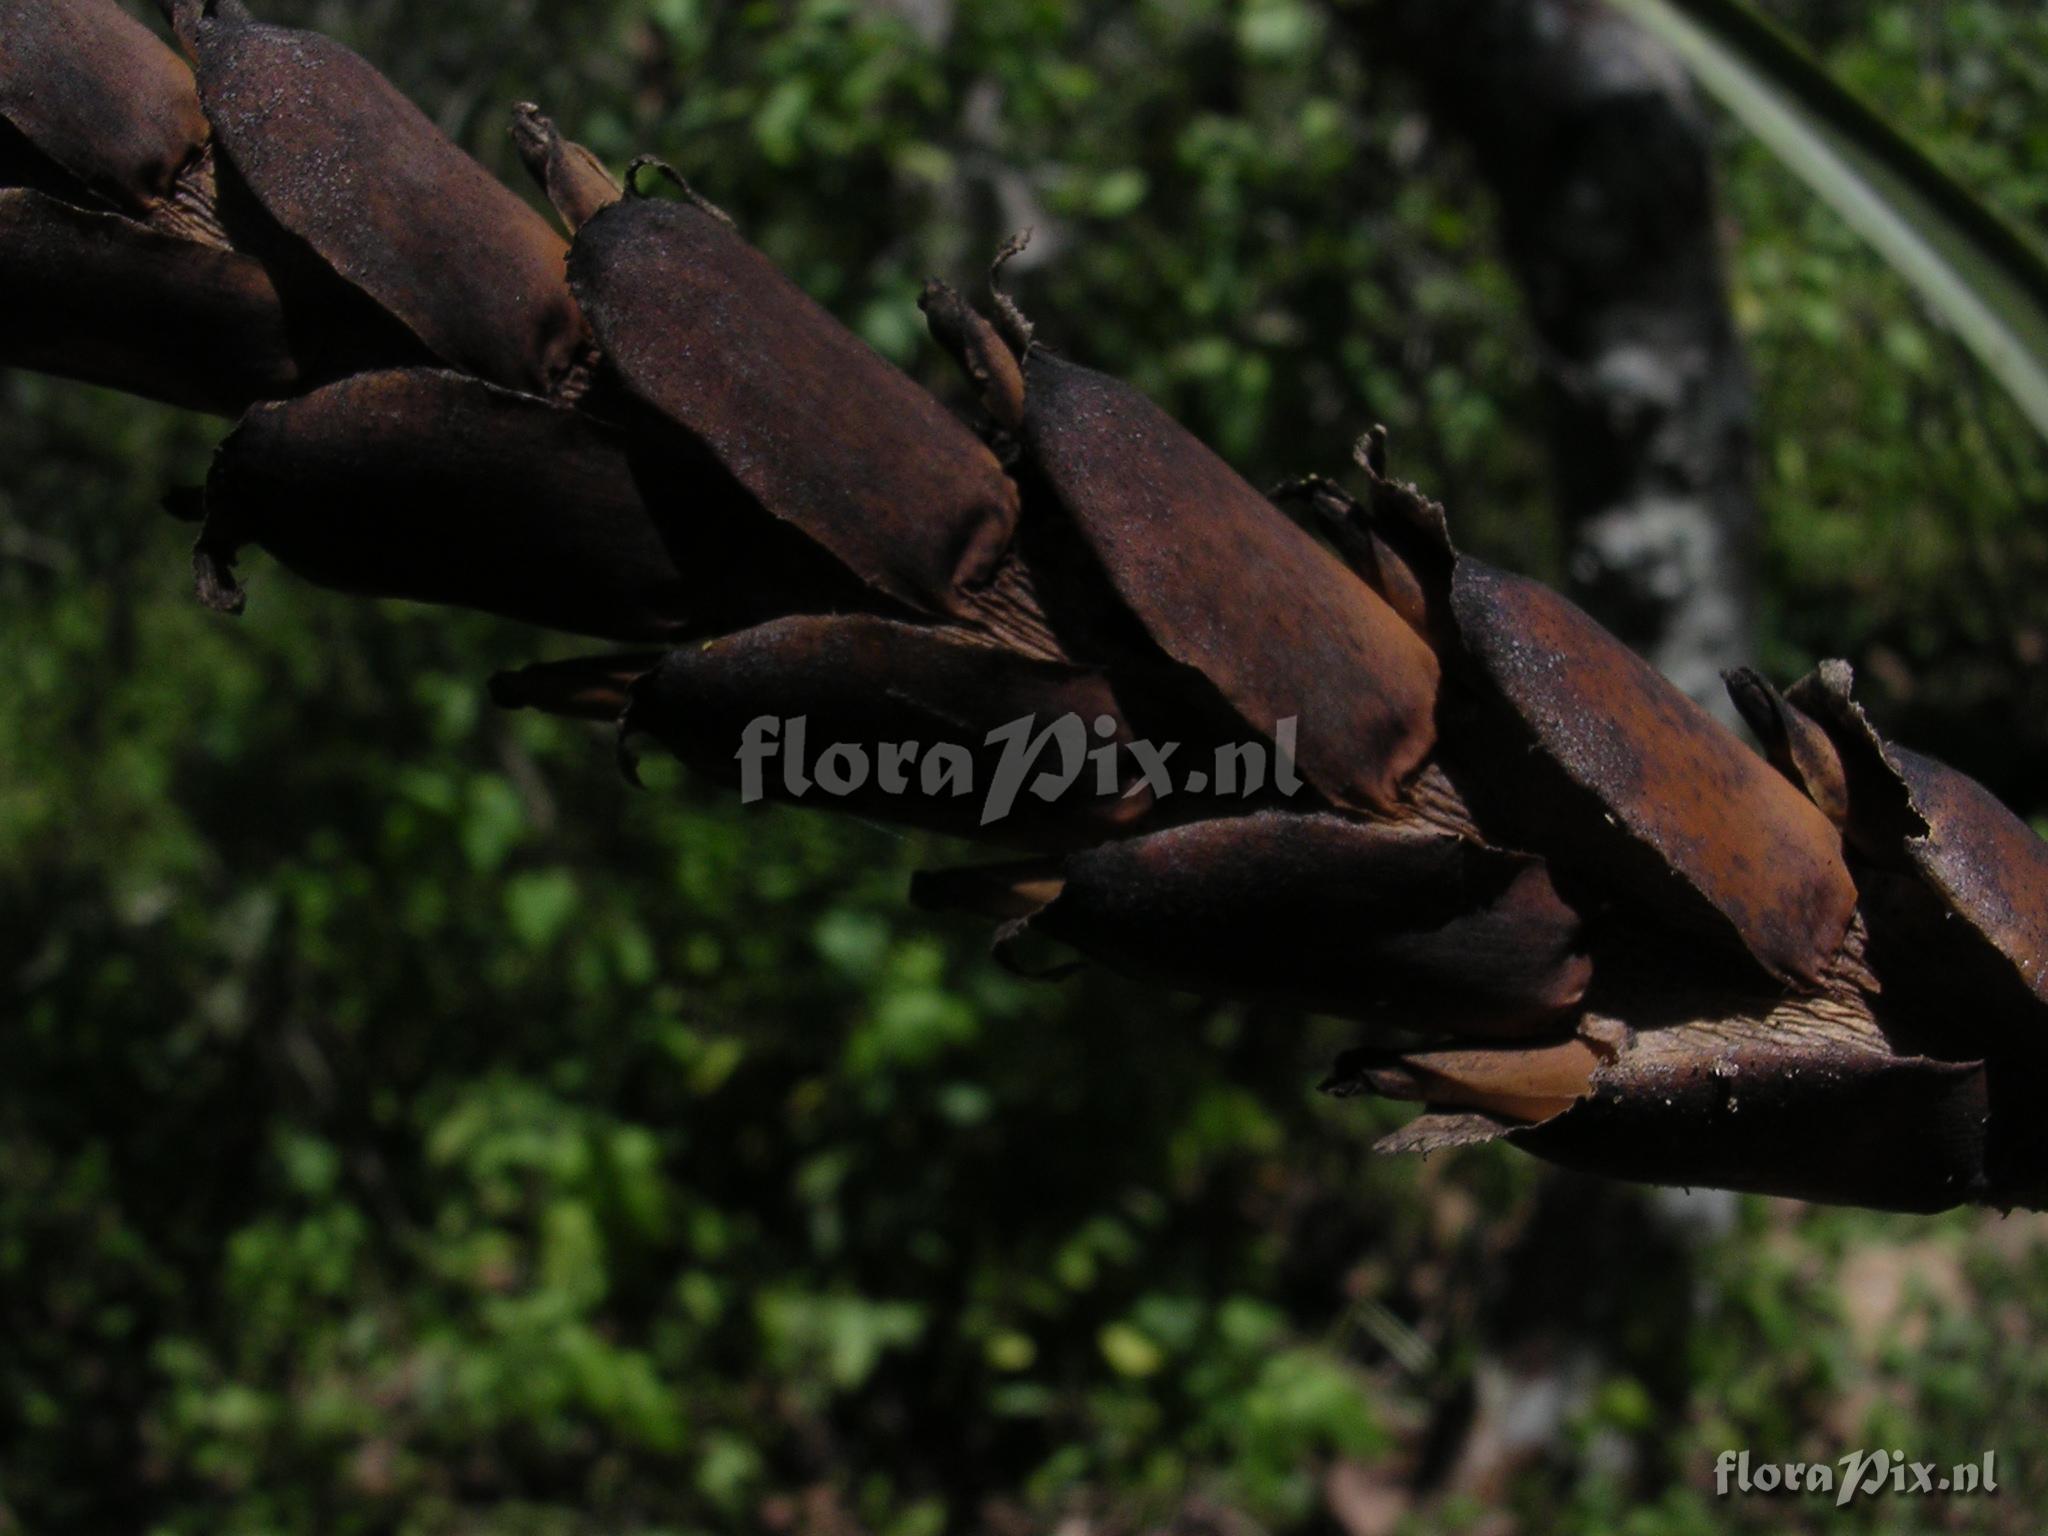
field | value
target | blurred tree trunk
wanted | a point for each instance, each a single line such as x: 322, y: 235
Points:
x: 1588, y: 134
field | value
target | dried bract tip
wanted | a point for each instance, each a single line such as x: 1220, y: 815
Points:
x: 1795, y: 744
x: 1353, y: 532
x: 1369, y: 452
x: 978, y: 350
x: 574, y: 180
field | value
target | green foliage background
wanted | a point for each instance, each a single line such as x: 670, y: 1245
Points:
x: 405, y: 1128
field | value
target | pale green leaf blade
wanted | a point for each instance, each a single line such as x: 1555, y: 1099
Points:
x: 1984, y: 279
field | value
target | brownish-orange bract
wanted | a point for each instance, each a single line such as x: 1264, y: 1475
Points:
x: 1520, y: 1084
x: 344, y: 162
x: 98, y: 297
x: 821, y: 429
x: 1403, y: 928
x: 1225, y: 584
x: 95, y: 91
x: 1718, y: 819
x: 431, y: 486
x: 863, y: 682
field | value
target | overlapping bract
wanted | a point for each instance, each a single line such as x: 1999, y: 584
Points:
x: 1564, y: 904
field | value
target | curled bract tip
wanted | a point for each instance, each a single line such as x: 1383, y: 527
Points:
x: 532, y: 129
x: 677, y: 179
x: 1018, y: 242
x: 640, y: 163
x: 1369, y: 452
x: 1010, y: 320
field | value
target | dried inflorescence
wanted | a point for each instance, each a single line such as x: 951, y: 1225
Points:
x: 1564, y: 905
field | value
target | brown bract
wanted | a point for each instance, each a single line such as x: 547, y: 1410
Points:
x: 344, y: 162
x: 1806, y: 1096
x: 1989, y: 866
x: 423, y: 484
x: 1662, y: 772
x: 865, y: 682
x: 1401, y: 928
x: 98, y: 297
x: 95, y: 91
x: 1784, y: 1116
x: 1224, y: 583
x: 823, y: 431
x: 1983, y: 864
